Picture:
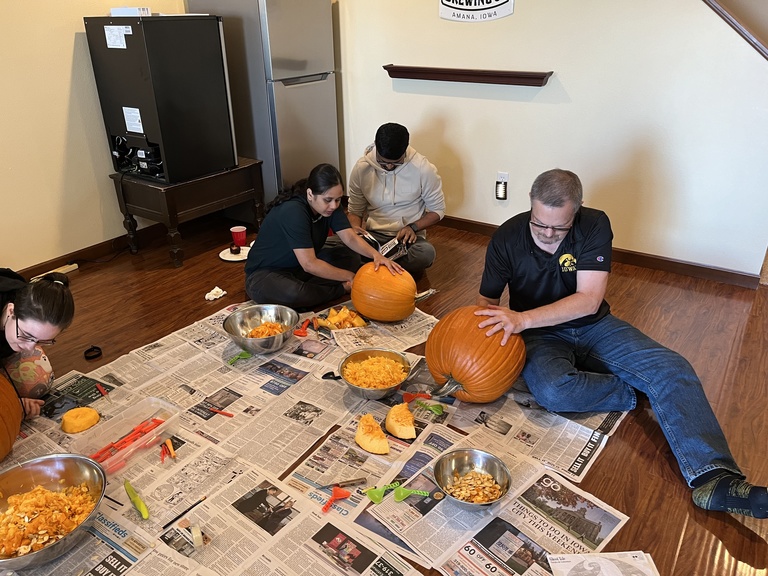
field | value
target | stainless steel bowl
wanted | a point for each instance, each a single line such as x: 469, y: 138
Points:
x: 364, y: 354
x: 242, y: 321
x: 466, y: 460
x: 54, y: 472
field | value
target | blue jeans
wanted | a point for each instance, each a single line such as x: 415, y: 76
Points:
x: 601, y: 366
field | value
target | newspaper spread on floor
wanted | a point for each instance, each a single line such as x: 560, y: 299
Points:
x: 634, y: 563
x: 542, y: 513
x: 259, y: 443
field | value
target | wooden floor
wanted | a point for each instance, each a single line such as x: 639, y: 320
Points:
x: 723, y: 330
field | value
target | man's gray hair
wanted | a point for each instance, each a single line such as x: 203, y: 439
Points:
x: 557, y: 187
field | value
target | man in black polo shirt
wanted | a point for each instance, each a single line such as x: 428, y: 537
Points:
x: 555, y: 261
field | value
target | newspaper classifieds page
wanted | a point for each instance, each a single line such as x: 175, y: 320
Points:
x: 110, y: 547
x: 604, y: 564
x: 551, y: 516
x: 564, y: 445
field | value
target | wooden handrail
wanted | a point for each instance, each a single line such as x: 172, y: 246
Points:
x: 465, y: 75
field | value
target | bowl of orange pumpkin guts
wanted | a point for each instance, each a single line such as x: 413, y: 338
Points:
x: 373, y: 373
x: 261, y: 328
x: 46, y: 507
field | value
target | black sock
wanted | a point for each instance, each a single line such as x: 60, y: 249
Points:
x: 728, y: 492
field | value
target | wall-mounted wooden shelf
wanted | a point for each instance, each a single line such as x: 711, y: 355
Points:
x: 464, y: 75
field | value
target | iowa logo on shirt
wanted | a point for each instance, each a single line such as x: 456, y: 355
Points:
x: 567, y: 263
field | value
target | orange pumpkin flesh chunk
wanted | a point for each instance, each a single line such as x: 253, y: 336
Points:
x: 370, y: 437
x: 400, y: 422
x: 457, y: 350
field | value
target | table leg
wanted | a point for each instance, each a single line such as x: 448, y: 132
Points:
x: 129, y: 223
x: 176, y: 251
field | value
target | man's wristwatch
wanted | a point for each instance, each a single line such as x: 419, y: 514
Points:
x: 414, y: 227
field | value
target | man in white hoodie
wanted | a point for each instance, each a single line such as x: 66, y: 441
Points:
x: 395, y: 192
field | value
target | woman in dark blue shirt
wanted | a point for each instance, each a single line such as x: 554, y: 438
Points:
x: 288, y: 264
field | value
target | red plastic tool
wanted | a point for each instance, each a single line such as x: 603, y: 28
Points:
x: 138, y: 432
x: 303, y: 330
x: 410, y: 396
x: 103, y: 392
x: 336, y: 494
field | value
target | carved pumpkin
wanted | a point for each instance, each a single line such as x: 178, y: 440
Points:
x: 11, y: 415
x: 383, y: 296
x: 459, y: 352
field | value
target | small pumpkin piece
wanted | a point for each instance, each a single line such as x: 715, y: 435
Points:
x: 79, y: 419
x: 400, y: 422
x: 370, y: 437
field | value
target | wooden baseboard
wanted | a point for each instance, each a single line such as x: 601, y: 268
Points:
x: 97, y: 252
x: 468, y: 225
x: 636, y: 258
x: 111, y: 248
x: 686, y: 268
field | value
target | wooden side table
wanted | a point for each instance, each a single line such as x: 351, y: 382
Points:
x: 172, y: 204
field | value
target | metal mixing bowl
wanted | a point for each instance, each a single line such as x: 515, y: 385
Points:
x: 54, y: 472
x: 242, y: 321
x: 365, y: 353
x: 466, y: 460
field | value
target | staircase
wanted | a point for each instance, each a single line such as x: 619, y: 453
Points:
x: 748, y: 17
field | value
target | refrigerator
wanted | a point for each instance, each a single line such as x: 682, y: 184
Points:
x: 280, y: 57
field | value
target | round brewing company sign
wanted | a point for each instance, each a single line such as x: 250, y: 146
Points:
x: 475, y: 10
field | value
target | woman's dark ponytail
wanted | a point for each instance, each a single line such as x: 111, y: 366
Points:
x: 46, y: 299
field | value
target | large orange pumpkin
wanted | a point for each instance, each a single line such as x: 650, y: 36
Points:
x: 11, y: 415
x: 459, y: 352
x: 383, y: 296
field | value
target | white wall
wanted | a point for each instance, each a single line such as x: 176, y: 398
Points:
x: 55, y: 193
x: 659, y: 106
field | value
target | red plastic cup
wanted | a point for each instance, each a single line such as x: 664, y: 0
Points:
x: 238, y: 235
